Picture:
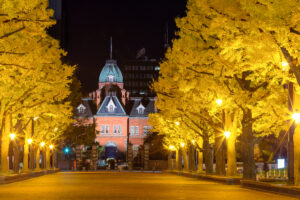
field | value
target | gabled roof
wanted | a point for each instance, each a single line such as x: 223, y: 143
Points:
x: 148, y: 104
x: 88, y: 108
x: 118, y: 110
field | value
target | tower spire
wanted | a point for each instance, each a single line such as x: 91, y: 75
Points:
x: 111, y: 48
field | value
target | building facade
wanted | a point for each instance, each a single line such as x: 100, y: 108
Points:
x: 120, y: 118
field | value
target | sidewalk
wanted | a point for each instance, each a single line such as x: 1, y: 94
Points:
x: 222, y: 179
x: 10, y: 178
x: 251, y: 184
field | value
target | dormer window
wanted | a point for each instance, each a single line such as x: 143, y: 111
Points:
x: 110, y: 78
x: 81, y: 108
x: 140, y: 109
x: 111, y: 106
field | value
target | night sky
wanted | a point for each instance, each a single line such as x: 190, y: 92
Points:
x: 133, y: 25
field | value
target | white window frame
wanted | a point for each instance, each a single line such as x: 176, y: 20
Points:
x: 115, y: 129
x: 107, y: 129
x: 136, y: 130
x: 119, y: 129
x: 132, y: 128
x: 102, y: 129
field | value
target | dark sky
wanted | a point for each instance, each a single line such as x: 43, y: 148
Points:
x: 133, y: 24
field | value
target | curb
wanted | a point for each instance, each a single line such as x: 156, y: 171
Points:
x: 267, y: 187
x: 24, y: 176
x: 219, y: 179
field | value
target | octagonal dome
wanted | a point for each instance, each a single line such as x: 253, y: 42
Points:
x: 111, y: 73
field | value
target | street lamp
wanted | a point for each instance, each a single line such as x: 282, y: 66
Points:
x: 42, y: 144
x: 219, y: 102
x: 29, y: 141
x: 171, y: 147
x: 227, y: 134
x: 177, y: 123
x: 296, y: 117
x: 12, y: 136
x: 51, y: 146
x: 284, y: 65
x: 182, y: 144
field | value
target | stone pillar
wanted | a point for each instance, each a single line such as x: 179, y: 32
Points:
x: 146, y: 156
x: 129, y: 157
x: 178, y: 160
x: 94, y: 157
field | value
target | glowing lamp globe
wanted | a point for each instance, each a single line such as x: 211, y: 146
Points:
x: 227, y: 134
x: 29, y: 141
x: 219, y: 102
x: 177, y: 123
x: 51, y: 146
x: 182, y: 144
x: 42, y: 144
x: 296, y: 117
x: 171, y: 147
x: 12, y: 136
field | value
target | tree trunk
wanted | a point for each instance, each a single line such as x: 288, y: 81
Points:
x: 208, y: 156
x: 231, y: 141
x: 185, y: 159
x: 16, y: 157
x: 26, y: 147
x: 200, y: 161
x: 192, y: 163
x: 220, y: 160
x: 53, y: 158
x: 5, y: 140
x: 38, y: 151
x: 247, y: 142
x: 170, y: 167
x: 178, y: 159
x: 297, y: 156
x: 47, y: 158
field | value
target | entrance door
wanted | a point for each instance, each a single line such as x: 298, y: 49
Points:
x: 111, y: 152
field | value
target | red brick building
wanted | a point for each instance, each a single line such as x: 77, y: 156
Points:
x: 120, y: 119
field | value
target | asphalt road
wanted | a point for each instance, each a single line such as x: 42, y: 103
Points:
x: 127, y: 185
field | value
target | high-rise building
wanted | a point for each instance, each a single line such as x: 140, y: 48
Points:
x: 139, y: 74
x: 58, y: 31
